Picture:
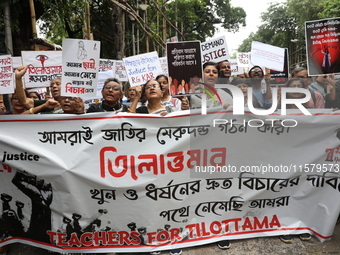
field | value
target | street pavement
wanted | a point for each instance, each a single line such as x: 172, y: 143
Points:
x: 253, y: 246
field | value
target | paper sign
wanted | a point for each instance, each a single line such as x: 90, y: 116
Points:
x: 235, y: 69
x: 267, y: 56
x: 215, y: 50
x: 243, y: 59
x: 43, y: 67
x: 120, y: 72
x: 143, y: 67
x: 17, y: 61
x: 80, y: 67
x: 164, y: 65
x: 107, y: 65
x: 6, y: 75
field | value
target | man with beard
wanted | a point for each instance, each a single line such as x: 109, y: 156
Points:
x: 112, y: 94
x: 262, y: 93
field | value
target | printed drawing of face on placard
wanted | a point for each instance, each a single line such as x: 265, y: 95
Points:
x: 82, y: 53
x: 184, y: 63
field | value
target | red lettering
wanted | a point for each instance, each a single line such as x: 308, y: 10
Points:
x: 100, y: 238
x: 163, y: 236
x: 52, y: 235
x: 175, y: 234
x: 123, y: 237
x: 263, y: 224
x: 247, y: 224
x: 61, y: 239
x: 7, y: 168
x: 112, y: 238
x: 191, y: 228
x: 135, y: 239
x: 151, y: 237
x: 275, y: 222
x: 204, y: 232
x: 330, y: 154
x: 222, y: 155
x: 226, y: 224
x: 86, y: 239
x: 178, y: 160
x: 214, y: 225
x: 74, y: 240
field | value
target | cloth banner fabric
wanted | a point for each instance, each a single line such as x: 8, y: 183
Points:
x: 106, y: 182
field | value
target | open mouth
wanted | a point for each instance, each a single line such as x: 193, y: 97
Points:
x: 55, y: 91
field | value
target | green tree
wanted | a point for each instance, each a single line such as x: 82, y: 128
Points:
x: 197, y: 19
x: 331, y: 8
x: 283, y: 25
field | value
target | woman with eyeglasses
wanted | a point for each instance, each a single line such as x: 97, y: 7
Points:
x: 112, y: 94
x: 152, y: 93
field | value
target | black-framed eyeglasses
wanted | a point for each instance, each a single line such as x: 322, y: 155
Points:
x: 256, y: 70
x: 68, y: 98
x: 155, y: 86
x: 108, y: 87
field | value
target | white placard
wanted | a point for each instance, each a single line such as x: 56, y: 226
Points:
x: 6, y: 74
x: 143, y: 67
x: 268, y: 56
x: 215, y: 50
x: 42, y: 67
x: 80, y: 67
x: 164, y: 65
x: 235, y: 69
x: 120, y: 72
x: 107, y: 65
x: 17, y: 61
x: 243, y: 59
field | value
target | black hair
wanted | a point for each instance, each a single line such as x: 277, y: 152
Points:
x: 162, y: 76
x: 36, y: 93
x: 254, y: 68
x: 143, y: 99
x: 210, y: 63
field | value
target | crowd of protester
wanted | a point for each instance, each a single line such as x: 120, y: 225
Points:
x: 154, y: 98
x: 325, y: 93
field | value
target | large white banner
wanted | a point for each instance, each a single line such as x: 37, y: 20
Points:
x: 135, y: 183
